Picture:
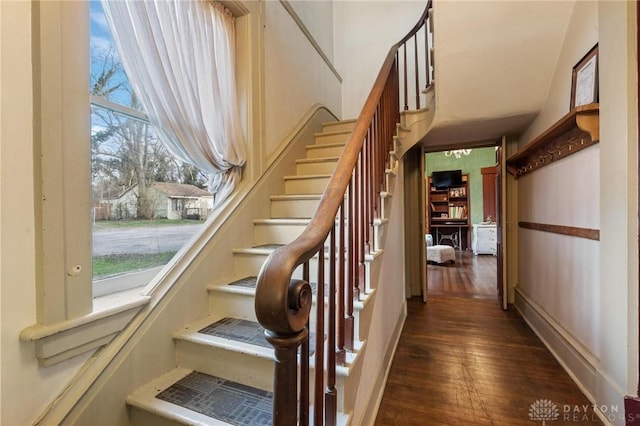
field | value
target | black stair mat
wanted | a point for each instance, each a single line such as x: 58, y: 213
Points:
x: 244, y: 331
x: 239, y: 330
x: 248, y: 282
x: 268, y: 246
x: 221, y: 399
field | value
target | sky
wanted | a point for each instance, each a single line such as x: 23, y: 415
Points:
x: 101, y: 43
x: 100, y: 34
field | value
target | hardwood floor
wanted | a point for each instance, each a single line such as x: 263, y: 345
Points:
x: 470, y: 276
x: 462, y: 360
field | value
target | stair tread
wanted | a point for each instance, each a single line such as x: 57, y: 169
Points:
x: 239, y: 330
x: 337, y: 123
x: 234, y: 334
x: 220, y: 399
x: 192, y: 398
x: 266, y: 249
x: 249, y: 282
x: 294, y: 177
x: 333, y: 133
x: 316, y: 160
x: 295, y: 197
x: 325, y: 145
x: 229, y: 334
x: 145, y: 398
x: 282, y: 221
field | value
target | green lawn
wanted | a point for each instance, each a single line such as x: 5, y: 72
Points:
x: 112, y: 224
x: 118, y: 263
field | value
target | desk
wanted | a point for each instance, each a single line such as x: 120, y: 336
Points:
x: 459, y: 229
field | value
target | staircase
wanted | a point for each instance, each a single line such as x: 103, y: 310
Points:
x: 224, y: 365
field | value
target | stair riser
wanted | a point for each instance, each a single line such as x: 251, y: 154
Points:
x: 223, y: 304
x: 294, y: 208
x: 316, y: 168
x: 141, y: 417
x: 385, y: 207
x: 390, y: 180
x: 331, y: 138
x: 319, y: 151
x: 250, y: 264
x: 379, y: 232
x: 231, y: 365
x: 305, y: 186
x: 279, y: 233
x: 276, y: 233
x: 372, y: 273
x: 339, y: 127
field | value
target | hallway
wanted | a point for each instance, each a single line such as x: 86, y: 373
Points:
x: 461, y: 360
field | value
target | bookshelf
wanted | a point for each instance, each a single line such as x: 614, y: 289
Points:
x: 449, y: 212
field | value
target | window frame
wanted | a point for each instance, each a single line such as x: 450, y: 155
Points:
x: 68, y: 322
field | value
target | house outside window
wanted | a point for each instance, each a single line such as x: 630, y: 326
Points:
x: 137, y: 225
x: 72, y: 315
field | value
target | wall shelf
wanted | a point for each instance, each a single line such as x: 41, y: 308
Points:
x: 578, y: 129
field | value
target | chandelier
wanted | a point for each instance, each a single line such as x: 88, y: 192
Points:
x: 457, y: 152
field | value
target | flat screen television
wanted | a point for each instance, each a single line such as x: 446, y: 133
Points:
x: 446, y: 179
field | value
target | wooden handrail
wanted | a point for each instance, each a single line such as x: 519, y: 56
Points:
x: 346, y: 212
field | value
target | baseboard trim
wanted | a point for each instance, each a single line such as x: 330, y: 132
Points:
x: 578, y: 362
x: 375, y: 398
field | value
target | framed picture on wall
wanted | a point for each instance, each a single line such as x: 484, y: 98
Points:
x: 584, y: 80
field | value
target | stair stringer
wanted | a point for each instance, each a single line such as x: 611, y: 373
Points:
x: 369, y: 317
x: 97, y: 394
x: 382, y: 322
x: 416, y: 123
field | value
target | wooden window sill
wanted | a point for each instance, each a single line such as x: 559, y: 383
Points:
x: 60, y: 341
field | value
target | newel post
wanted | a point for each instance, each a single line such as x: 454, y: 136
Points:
x: 285, y: 408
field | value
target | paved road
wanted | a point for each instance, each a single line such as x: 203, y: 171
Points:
x: 142, y: 240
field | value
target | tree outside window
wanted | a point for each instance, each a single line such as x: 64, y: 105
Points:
x: 127, y: 160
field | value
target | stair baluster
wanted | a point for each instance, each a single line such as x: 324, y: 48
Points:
x: 283, y: 305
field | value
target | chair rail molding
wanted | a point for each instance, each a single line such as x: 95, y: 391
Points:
x: 572, y: 231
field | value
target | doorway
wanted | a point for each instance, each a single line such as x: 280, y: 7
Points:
x: 463, y: 207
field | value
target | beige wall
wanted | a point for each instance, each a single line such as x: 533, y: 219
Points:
x: 558, y: 276
x: 364, y: 32
x: 295, y: 74
x: 26, y: 389
x: 558, y: 272
x: 317, y: 16
x: 618, y: 314
x: 584, y: 293
x: 389, y: 310
x: 581, y: 36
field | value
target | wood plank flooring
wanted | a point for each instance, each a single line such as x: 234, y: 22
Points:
x: 470, y: 276
x: 462, y: 360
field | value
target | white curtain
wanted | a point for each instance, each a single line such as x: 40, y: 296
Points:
x: 179, y: 57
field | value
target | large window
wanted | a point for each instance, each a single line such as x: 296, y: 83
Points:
x: 76, y: 195
x: 137, y: 186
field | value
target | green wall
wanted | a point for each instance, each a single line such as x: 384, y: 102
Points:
x: 469, y: 164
